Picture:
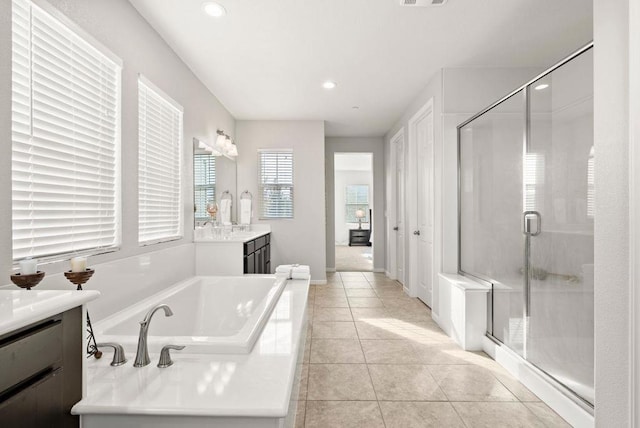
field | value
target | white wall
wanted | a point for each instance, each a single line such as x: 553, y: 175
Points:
x: 372, y: 145
x: 119, y: 27
x: 613, y: 289
x: 301, y: 239
x: 344, y: 178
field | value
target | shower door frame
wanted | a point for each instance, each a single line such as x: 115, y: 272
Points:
x: 525, y: 88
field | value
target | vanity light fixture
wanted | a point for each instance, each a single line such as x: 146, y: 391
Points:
x: 214, y: 9
x: 201, y: 146
x: 225, y: 145
x: 329, y: 84
x: 541, y: 86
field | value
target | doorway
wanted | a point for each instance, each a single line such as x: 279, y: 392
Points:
x: 353, y: 192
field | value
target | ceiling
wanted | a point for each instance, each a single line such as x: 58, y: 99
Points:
x: 267, y: 59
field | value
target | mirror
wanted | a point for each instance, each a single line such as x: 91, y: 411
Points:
x: 212, y: 177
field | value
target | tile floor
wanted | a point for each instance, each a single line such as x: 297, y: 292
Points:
x: 375, y: 358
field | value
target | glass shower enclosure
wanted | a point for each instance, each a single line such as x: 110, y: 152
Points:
x: 526, y: 216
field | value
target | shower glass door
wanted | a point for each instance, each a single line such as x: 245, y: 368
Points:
x: 526, y: 217
x: 559, y: 188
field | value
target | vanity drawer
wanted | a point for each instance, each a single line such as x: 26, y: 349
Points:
x: 261, y: 242
x: 249, y: 247
x: 30, y: 352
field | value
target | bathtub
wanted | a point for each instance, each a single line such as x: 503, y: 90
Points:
x: 256, y: 389
x: 211, y: 315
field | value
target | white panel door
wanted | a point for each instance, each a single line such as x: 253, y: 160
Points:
x: 420, y: 202
x: 424, y: 173
x: 400, y: 210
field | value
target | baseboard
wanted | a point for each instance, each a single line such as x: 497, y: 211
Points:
x: 379, y: 270
x: 329, y: 269
x: 540, y: 384
x: 388, y: 274
x: 318, y: 282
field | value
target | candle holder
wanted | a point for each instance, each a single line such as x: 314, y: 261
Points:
x: 27, y: 281
x: 80, y: 278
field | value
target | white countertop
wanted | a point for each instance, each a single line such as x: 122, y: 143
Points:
x: 236, y: 237
x: 258, y: 384
x: 19, y: 308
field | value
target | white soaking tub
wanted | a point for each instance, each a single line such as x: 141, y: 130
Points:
x: 211, y: 315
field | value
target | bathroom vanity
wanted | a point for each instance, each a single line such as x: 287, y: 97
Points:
x: 41, y: 355
x: 241, y: 253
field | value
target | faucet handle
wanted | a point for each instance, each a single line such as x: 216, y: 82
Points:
x: 118, y: 354
x: 165, y: 356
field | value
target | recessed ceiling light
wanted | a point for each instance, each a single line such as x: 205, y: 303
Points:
x: 541, y: 86
x: 329, y: 84
x: 214, y: 9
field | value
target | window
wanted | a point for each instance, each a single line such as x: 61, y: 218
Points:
x: 204, y: 172
x: 591, y: 187
x: 159, y: 165
x: 357, y: 198
x: 275, y: 171
x: 65, y: 100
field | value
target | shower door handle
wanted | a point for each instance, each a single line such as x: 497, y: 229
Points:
x: 527, y: 220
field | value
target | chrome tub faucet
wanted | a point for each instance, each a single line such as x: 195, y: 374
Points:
x: 142, y: 354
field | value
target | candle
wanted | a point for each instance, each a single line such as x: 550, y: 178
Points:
x: 28, y: 266
x: 78, y: 264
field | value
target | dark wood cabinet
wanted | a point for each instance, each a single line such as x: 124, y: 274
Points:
x: 41, y: 376
x: 257, y: 255
x: 359, y: 237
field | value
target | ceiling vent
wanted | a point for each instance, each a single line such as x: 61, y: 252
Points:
x: 422, y: 3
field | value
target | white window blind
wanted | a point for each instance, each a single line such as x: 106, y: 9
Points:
x: 204, y: 174
x: 357, y: 198
x: 159, y: 165
x: 591, y: 187
x: 275, y: 172
x: 65, y: 137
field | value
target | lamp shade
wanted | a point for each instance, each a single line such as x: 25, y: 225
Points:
x: 221, y: 141
x: 360, y: 214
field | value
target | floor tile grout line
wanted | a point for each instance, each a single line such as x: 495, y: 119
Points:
x: 431, y: 366
x: 455, y: 410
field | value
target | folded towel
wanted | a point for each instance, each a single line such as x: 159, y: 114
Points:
x: 245, y: 211
x: 225, y: 211
x: 294, y: 271
x: 284, y: 270
x: 300, y: 272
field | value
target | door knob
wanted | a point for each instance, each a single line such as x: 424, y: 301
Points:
x: 395, y: 228
x: 416, y: 232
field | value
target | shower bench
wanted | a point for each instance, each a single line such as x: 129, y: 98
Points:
x: 462, y: 310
